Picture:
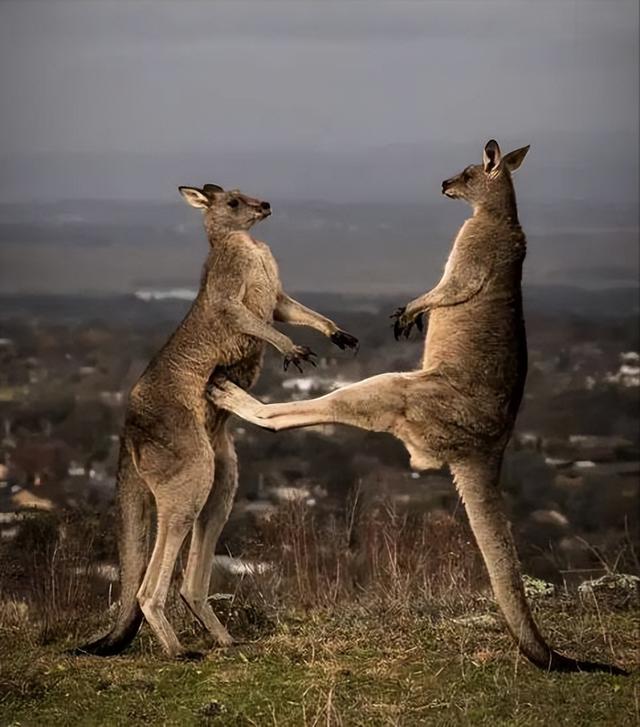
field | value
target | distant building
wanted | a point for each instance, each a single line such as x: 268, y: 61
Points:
x: 629, y: 372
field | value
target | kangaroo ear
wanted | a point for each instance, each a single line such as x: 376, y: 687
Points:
x: 491, y: 156
x: 210, y: 189
x: 194, y: 197
x: 514, y: 158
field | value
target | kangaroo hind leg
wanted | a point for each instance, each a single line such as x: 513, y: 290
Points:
x: 377, y: 404
x: 204, y: 536
x: 477, y: 482
x: 178, y: 506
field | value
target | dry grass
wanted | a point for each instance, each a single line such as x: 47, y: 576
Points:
x: 384, y: 554
x: 369, y: 617
x: 52, y: 570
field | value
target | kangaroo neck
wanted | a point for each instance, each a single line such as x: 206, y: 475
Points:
x: 501, y: 209
x: 217, y: 231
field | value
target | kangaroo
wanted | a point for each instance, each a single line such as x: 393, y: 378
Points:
x: 459, y: 409
x: 175, y: 446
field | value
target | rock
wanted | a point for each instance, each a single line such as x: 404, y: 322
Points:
x: 485, y: 620
x: 617, y: 590
x: 535, y: 588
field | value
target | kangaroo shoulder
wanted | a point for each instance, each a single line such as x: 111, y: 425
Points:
x: 478, y: 228
x: 266, y: 257
x: 263, y: 248
x: 237, y: 249
x: 468, y: 242
x: 486, y: 237
x: 469, y: 234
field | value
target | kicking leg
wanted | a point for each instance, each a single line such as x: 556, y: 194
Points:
x: 377, y: 404
x: 205, y: 534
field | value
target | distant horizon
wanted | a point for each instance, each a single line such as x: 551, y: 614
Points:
x: 160, y: 294
x: 368, y: 247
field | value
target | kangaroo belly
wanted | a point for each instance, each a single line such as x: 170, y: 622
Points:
x: 479, y: 347
x: 480, y: 352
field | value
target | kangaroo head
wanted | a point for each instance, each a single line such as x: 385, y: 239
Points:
x: 487, y: 185
x: 225, y: 210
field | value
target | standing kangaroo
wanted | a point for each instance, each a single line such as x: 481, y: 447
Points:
x: 460, y: 409
x: 175, y: 444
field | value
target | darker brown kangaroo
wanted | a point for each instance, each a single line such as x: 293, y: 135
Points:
x: 460, y: 409
x: 175, y: 444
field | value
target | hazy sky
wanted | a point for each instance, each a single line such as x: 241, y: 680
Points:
x: 112, y: 98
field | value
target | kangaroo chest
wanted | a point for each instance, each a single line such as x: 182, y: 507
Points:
x: 263, y: 285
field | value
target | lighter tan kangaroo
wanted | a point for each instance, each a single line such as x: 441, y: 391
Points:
x: 459, y: 410
x: 175, y: 444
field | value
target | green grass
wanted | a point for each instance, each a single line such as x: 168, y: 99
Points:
x: 351, y: 666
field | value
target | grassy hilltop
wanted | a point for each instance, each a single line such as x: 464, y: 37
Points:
x: 401, y: 630
x: 348, y: 667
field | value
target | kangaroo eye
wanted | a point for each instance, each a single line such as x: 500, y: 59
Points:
x: 233, y: 203
x: 466, y: 175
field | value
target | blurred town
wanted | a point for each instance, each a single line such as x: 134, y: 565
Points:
x: 571, y: 476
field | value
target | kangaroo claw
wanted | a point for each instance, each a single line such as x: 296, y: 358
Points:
x: 344, y: 340
x: 397, y: 330
x: 401, y: 325
x: 297, y: 355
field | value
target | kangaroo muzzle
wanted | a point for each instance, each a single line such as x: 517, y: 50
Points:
x: 447, y: 187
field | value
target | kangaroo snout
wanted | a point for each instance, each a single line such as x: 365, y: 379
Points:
x: 265, y: 208
x: 446, y: 186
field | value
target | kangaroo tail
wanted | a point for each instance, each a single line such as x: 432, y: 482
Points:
x: 134, y: 525
x: 477, y: 484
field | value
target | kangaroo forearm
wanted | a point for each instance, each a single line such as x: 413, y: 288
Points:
x: 290, y: 311
x: 246, y: 322
x: 445, y: 294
